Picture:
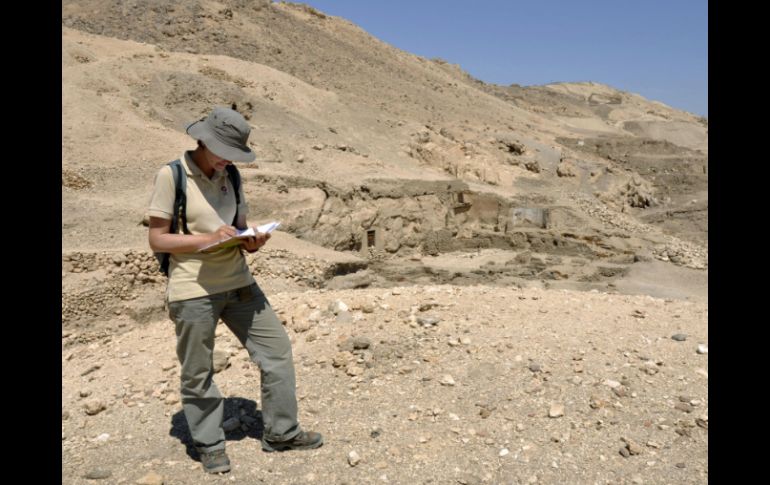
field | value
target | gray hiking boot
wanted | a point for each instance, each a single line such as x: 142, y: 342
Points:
x: 305, y: 440
x: 215, y: 461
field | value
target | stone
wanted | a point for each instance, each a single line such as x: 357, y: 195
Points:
x: 359, y: 279
x: 354, y: 370
x: 353, y: 458
x: 633, y: 448
x: 94, y: 407
x: 447, y: 380
x: 679, y: 337
x: 428, y: 321
x: 360, y: 343
x: 338, y: 306
x: 556, y: 411
x: 684, y: 406
x: 368, y: 308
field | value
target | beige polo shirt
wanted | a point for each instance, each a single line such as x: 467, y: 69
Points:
x: 210, y: 204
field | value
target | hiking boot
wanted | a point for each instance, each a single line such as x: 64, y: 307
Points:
x: 305, y: 440
x: 215, y: 461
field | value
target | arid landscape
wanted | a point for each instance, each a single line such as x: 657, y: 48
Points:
x: 484, y: 284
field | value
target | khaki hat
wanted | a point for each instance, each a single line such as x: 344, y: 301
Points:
x: 225, y: 132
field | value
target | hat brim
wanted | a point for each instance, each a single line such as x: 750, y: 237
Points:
x: 234, y: 154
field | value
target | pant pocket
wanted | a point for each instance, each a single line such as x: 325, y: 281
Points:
x: 173, y: 309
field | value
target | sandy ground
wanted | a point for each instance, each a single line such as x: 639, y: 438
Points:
x: 464, y: 400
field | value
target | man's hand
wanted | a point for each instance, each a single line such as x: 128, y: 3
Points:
x: 253, y: 244
x: 224, y: 232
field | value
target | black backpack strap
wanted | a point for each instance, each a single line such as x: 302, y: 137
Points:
x: 180, y: 198
x: 235, y: 180
x: 179, y: 211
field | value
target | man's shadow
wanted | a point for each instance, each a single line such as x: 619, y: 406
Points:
x: 251, y: 421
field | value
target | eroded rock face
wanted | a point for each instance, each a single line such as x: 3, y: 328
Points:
x: 428, y: 217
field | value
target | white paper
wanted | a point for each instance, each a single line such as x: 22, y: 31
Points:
x: 242, y: 234
x: 265, y: 228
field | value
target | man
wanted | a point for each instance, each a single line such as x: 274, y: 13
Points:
x: 204, y: 287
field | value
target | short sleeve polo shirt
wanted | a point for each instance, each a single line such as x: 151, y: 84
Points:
x: 210, y: 204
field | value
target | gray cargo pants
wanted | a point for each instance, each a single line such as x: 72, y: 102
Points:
x: 249, y: 316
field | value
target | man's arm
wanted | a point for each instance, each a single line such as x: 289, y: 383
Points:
x: 162, y: 241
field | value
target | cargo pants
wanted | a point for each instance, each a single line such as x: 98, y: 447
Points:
x: 248, y: 314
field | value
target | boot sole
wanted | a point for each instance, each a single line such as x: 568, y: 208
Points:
x: 219, y: 469
x: 271, y: 448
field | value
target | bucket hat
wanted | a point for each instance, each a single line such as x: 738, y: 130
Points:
x: 226, y: 133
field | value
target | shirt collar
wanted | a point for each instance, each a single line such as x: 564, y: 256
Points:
x: 193, y: 171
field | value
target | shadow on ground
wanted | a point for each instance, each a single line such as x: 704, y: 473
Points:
x: 244, y: 409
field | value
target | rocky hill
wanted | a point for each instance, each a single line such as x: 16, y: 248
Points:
x: 388, y: 170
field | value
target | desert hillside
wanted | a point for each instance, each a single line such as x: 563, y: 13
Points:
x: 561, y: 228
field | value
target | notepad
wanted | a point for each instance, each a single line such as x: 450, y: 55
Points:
x: 240, y: 236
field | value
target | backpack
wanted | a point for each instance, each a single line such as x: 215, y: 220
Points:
x: 180, y: 204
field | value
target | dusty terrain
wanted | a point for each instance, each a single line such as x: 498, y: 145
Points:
x: 558, y: 234
x: 466, y: 399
